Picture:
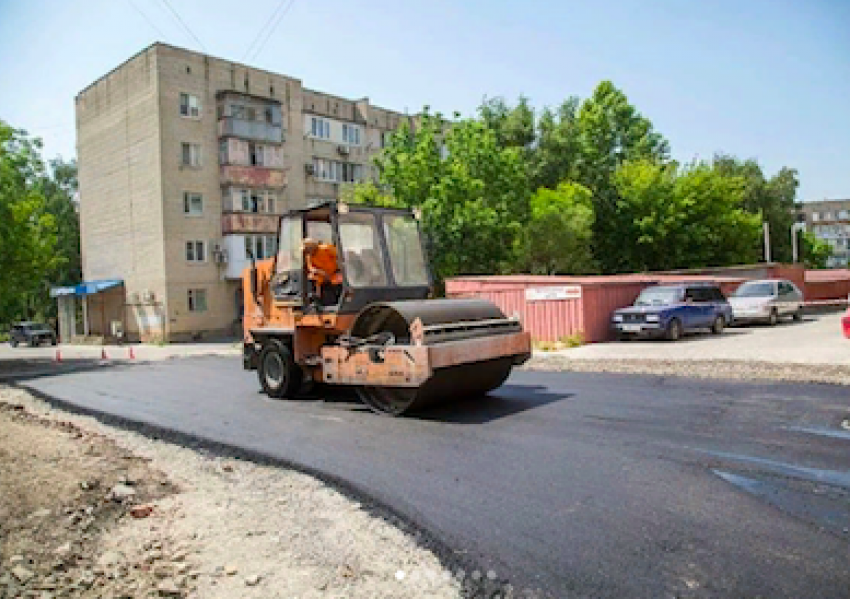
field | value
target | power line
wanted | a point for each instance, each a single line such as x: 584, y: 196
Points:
x: 145, y: 17
x: 183, y: 24
x: 271, y: 31
x: 263, y: 29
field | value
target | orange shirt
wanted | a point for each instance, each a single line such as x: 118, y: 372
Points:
x: 325, y: 258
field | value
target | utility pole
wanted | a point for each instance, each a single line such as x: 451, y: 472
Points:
x: 766, y: 226
x: 795, y: 249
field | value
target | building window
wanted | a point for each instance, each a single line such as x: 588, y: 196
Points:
x: 332, y: 170
x: 260, y: 246
x: 815, y: 217
x: 320, y: 128
x: 190, y: 154
x: 270, y: 203
x: 195, y: 251
x: 256, y: 153
x: 193, y: 203
x: 843, y: 214
x: 197, y: 300
x: 827, y: 216
x: 351, y: 134
x: 190, y: 106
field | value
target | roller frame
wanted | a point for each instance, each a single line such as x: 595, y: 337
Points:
x: 411, y: 366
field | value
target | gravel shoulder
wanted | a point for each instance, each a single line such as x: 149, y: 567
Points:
x: 712, y: 369
x: 88, y: 510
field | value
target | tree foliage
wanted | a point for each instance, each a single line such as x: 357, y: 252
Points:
x: 472, y: 191
x: 39, y: 227
x: 773, y: 199
x: 473, y: 178
x: 557, y: 238
x: 815, y: 252
x: 27, y: 230
x: 683, y: 218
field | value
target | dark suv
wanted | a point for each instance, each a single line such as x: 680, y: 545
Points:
x: 31, y: 333
x: 671, y: 310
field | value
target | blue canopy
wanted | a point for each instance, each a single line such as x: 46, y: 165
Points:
x: 86, y: 288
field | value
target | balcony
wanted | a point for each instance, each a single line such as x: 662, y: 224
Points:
x: 249, y: 222
x: 252, y: 176
x: 255, y: 130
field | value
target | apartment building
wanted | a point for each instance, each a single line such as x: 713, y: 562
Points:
x: 829, y: 220
x: 185, y: 163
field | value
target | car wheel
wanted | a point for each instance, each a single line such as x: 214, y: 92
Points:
x: 33, y: 342
x: 13, y: 342
x: 674, y: 330
x: 279, y: 375
x: 773, y: 319
x: 798, y: 315
x: 718, y: 325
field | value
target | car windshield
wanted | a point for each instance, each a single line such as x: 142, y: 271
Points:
x: 763, y: 289
x: 36, y: 328
x: 658, y: 296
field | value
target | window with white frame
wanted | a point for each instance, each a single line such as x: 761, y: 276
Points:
x: 815, y: 217
x: 843, y: 214
x: 197, y: 300
x: 260, y: 246
x: 190, y: 154
x: 351, y: 134
x: 270, y: 202
x: 190, y: 106
x: 320, y: 128
x: 195, y: 251
x: 193, y: 203
x: 333, y: 170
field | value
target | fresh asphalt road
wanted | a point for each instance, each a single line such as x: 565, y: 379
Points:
x: 562, y: 484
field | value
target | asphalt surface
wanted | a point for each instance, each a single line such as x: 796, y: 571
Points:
x: 564, y: 485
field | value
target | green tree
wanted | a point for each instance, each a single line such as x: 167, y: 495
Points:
x: 556, y: 154
x: 815, y: 251
x: 514, y: 127
x: 557, y: 239
x: 27, y: 230
x: 610, y: 132
x: 773, y: 199
x: 683, y: 218
x: 473, y: 193
x: 60, y: 191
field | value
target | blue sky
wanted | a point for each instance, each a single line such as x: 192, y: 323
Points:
x: 755, y: 78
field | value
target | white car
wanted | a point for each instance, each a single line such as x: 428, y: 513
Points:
x: 767, y: 301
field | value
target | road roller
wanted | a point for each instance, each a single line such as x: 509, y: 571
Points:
x: 372, y: 325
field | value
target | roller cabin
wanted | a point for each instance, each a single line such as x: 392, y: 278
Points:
x: 370, y: 324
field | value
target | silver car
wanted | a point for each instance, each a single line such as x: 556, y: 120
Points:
x: 767, y: 301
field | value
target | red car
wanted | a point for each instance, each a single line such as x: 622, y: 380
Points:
x: 845, y: 323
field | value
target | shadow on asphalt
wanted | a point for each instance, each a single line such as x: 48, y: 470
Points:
x: 508, y: 400
x: 33, y: 368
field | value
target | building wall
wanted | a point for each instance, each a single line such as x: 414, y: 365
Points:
x: 829, y: 220
x: 132, y: 182
x: 118, y: 148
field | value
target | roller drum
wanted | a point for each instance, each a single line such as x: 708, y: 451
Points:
x: 445, y: 320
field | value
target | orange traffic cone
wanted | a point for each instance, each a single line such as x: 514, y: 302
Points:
x: 58, y: 358
x: 103, y: 355
x: 130, y: 354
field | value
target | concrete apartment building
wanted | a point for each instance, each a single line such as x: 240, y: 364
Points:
x: 186, y: 160
x: 829, y: 220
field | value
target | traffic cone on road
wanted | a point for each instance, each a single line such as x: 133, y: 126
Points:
x: 103, y: 355
x: 58, y: 358
x: 130, y: 354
